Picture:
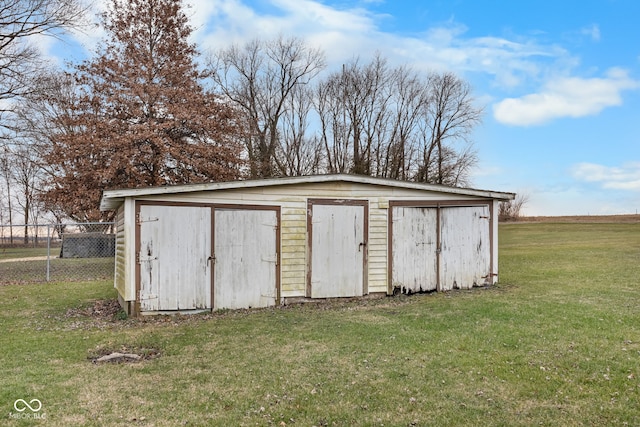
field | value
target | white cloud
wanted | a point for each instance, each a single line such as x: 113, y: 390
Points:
x: 350, y: 31
x: 341, y: 33
x: 344, y: 33
x: 625, y: 177
x: 592, y: 31
x: 44, y: 43
x: 509, y: 62
x: 566, y: 97
x: 93, y: 33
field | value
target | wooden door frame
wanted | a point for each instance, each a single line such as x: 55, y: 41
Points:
x: 338, y: 202
x: 139, y: 203
x: 437, y: 205
x: 227, y: 206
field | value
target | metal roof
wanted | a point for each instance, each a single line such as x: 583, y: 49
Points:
x: 111, y: 199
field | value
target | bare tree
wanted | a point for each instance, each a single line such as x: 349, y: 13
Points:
x: 41, y: 114
x: 449, y: 117
x: 396, y: 123
x: 3, y: 199
x: 20, y: 21
x: 6, y: 175
x: 353, y: 106
x: 397, y: 156
x: 261, y: 79
x: 39, y: 119
x: 299, y: 152
x: 26, y: 177
x: 334, y: 129
x: 367, y: 97
x: 511, y: 210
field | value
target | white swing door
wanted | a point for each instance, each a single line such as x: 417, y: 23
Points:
x: 414, y: 249
x: 338, y: 250
x: 466, y: 247
x: 174, y: 247
x: 246, y: 258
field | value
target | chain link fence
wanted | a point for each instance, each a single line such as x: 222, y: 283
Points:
x: 57, y: 252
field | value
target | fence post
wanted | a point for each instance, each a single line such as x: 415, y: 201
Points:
x: 48, y: 250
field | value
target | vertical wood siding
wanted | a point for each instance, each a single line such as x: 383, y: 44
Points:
x: 465, y: 247
x: 175, y: 243
x: 440, y: 248
x: 337, y: 251
x: 415, y: 249
x: 245, y: 258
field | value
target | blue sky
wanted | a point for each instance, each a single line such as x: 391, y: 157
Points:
x: 559, y: 80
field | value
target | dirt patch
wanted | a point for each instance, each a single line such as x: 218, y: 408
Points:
x: 100, y: 309
x: 107, y: 314
x: 122, y: 354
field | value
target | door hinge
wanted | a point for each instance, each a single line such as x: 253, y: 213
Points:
x: 140, y: 220
x: 139, y: 259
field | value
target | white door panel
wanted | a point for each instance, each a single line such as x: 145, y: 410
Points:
x: 414, y: 249
x: 337, y: 251
x: 466, y: 254
x: 175, y: 242
x: 245, y: 258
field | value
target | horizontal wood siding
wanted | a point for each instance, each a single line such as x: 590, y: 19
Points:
x: 293, y: 256
x: 377, y: 249
x: 119, y: 280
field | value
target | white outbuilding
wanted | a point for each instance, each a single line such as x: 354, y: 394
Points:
x: 259, y: 243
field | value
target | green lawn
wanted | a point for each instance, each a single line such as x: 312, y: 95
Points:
x: 25, y: 252
x: 67, y: 269
x: 556, y: 343
x: 17, y: 267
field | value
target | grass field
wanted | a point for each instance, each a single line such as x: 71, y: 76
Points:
x: 29, y: 265
x: 67, y: 269
x: 7, y: 253
x: 556, y: 343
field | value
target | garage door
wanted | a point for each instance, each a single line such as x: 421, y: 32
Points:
x: 246, y: 256
x: 174, y: 245
x: 446, y: 246
x: 338, y: 249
